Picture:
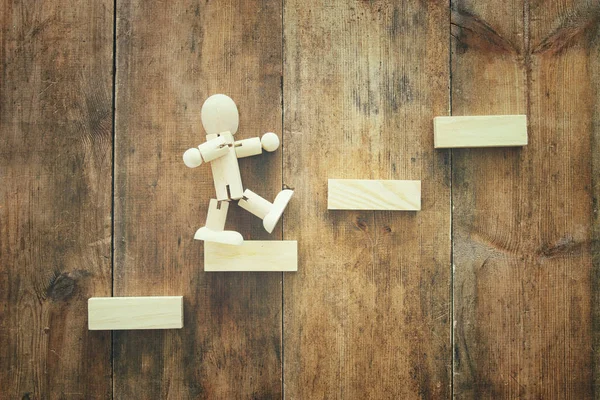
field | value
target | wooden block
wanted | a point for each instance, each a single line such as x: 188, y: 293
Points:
x: 119, y: 313
x: 248, y: 147
x: 354, y: 194
x: 480, y: 131
x: 253, y: 255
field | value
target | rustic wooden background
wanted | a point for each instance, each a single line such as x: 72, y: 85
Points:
x: 491, y: 291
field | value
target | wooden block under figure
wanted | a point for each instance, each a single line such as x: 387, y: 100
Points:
x: 122, y: 313
x: 357, y: 194
x: 252, y: 255
x: 480, y: 131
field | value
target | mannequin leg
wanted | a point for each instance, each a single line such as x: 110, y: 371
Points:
x: 217, y: 215
x: 214, y: 231
x: 255, y: 204
x: 269, y: 212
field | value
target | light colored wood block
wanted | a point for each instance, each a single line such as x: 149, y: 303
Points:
x: 480, y: 131
x: 253, y: 255
x: 356, y: 194
x: 120, y: 313
x: 248, y: 147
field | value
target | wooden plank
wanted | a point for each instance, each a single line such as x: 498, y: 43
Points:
x: 365, y: 194
x: 253, y: 255
x: 148, y: 312
x: 367, y: 315
x: 55, y: 196
x: 522, y: 221
x: 480, y: 131
x: 594, y: 78
x: 170, y: 58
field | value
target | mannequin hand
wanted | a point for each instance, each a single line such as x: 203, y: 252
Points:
x: 192, y: 158
x: 270, y: 141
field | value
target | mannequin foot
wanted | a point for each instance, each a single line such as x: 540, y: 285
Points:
x: 224, y: 237
x: 279, y: 204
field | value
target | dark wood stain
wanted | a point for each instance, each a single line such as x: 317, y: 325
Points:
x: 579, y: 25
x: 472, y: 32
x: 61, y: 287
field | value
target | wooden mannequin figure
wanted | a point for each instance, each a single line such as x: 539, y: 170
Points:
x: 220, y: 119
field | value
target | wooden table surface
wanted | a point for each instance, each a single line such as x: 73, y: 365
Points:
x: 490, y: 291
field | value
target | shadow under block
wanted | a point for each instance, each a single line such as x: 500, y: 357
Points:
x: 480, y: 131
x: 120, y: 313
x: 252, y: 255
x: 355, y: 194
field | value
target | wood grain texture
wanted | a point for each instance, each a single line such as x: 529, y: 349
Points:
x: 367, y: 313
x: 522, y: 221
x: 253, y: 255
x: 594, y: 80
x: 145, y: 312
x: 480, y: 131
x: 375, y: 194
x: 55, y: 197
x: 170, y: 57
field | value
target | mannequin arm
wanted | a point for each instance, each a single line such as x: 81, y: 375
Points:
x: 254, y: 146
x: 208, y: 151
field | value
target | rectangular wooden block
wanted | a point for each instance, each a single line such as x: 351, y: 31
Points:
x: 119, y: 313
x: 253, y: 255
x: 355, y: 194
x: 480, y: 131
